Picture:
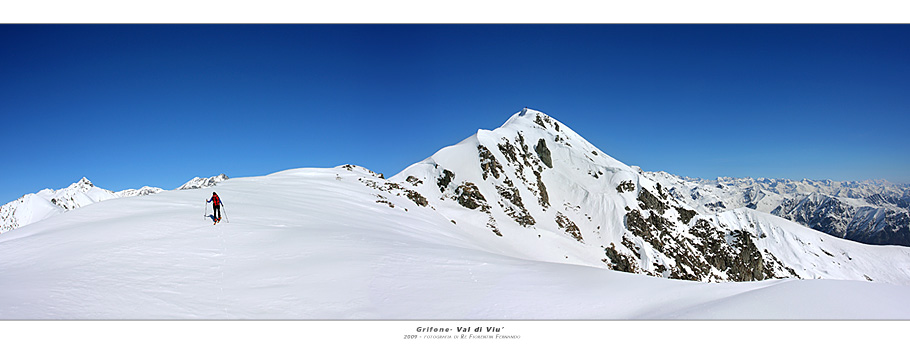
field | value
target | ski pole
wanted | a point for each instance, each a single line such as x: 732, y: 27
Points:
x: 205, y: 210
x: 223, y: 210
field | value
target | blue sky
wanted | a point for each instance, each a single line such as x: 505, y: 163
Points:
x: 134, y: 105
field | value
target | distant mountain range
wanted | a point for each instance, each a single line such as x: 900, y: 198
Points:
x: 46, y: 203
x: 873, y: 212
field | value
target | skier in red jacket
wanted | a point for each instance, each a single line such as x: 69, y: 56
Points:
x: 216, y: 202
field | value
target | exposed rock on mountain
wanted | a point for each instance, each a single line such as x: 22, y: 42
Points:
x: 873, y: 212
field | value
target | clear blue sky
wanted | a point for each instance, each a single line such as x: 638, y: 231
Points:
x: 134, y: 105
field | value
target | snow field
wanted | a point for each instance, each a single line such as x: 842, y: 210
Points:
x: 304, y: 244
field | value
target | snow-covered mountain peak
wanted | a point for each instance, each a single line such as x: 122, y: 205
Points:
x: 524, y: 114
x: 203, y: 182
x: 146, y: 190
x: 46, y: 203
x: 82, y: 185
x: 533, y: 188
x: 529, y: 140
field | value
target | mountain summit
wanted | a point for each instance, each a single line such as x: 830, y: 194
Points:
x: 203, y: 182
x: 49, y: 202
x: 535, y: 189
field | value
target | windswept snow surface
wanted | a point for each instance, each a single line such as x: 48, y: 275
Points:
x: 314, y: 244
x: 344, y: 243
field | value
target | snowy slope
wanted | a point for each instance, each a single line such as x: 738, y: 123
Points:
x: 316, y: 244
x: 525, y: 225
x: 874, y: 212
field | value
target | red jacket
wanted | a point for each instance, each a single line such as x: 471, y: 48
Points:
x: 215, y: 200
